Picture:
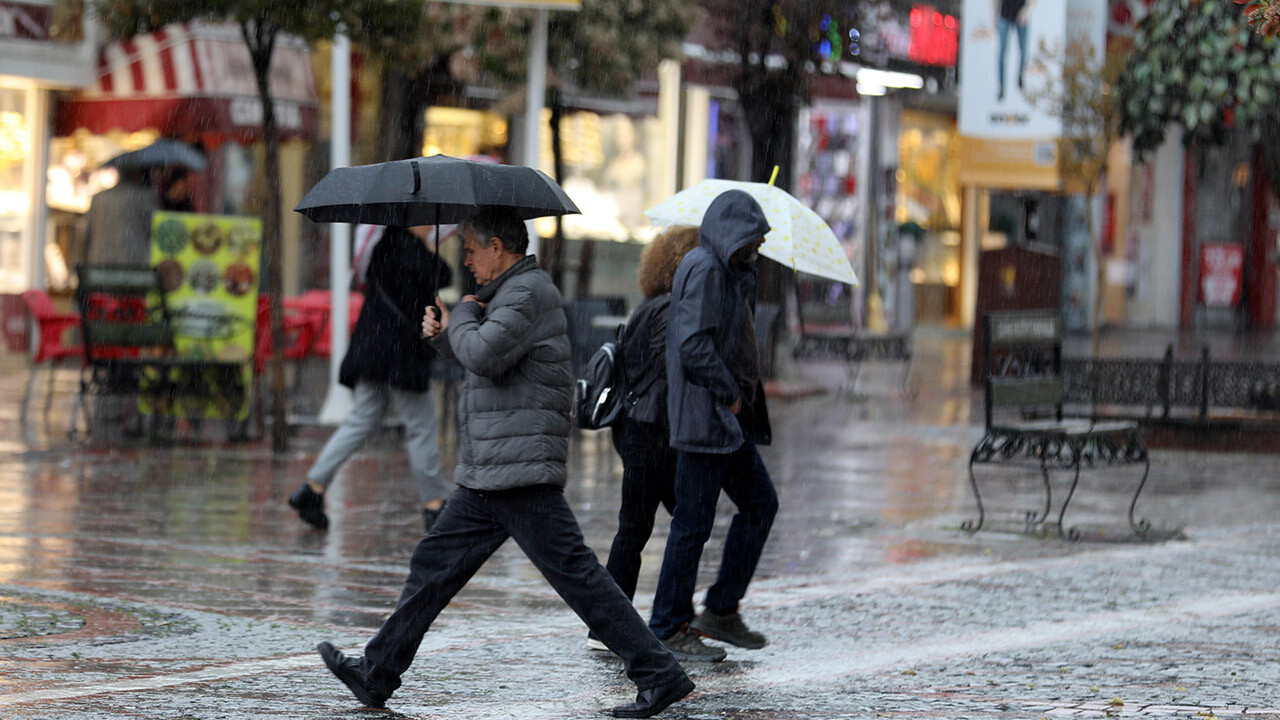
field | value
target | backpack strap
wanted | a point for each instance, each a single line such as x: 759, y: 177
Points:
x: 634, y: 395
x: 646, y: 372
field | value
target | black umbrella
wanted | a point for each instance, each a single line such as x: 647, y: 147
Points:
x: 431, y: 191
x: 163, y: 152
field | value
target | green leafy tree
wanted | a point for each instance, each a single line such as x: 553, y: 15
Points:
x: 261, y: 23
x: 1196, y: 64
x: 1263, y: 15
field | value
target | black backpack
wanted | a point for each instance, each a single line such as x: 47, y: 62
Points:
x: 601, y: 395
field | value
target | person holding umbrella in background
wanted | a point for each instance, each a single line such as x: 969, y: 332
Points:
x: 388, y: 362
x: 118, y: 224
x: 117, y: 227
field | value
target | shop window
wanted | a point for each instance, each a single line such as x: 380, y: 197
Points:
x: 609, y: 161
x: 828, y: 180
x: 459, y: 132
x: 928, y: 219
x: 15, y: 200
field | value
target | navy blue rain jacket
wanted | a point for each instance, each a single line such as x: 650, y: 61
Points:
x: 708, y: 308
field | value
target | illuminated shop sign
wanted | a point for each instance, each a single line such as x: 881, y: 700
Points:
x: 935, y: 38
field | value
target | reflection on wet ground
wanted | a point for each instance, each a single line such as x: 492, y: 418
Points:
x: 171, y: 581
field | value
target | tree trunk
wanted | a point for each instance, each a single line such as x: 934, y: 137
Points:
x: 1099, y: 262
x: 553, y: 255
x: 1270, y: 149
x: 404, y: 107
x: 772, y: 126
x: 261, y: 47
x: 772, y: 97
x: 406, y: 97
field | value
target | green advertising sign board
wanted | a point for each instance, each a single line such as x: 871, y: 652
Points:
x: 209, y: 269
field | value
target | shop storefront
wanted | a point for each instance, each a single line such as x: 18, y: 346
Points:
x: 928, y: 219
x: 1228, y: 239
x: 463, y: 132
x: 194, y: 83
x: 831, y: 151
x: 44, y: 47
x: 1014, y: 195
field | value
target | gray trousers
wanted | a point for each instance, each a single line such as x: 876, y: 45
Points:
x: 416, y: 409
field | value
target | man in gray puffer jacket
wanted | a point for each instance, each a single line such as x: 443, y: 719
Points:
x: 513, y: 439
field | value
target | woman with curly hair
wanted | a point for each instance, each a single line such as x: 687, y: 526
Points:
x: 640, y: 433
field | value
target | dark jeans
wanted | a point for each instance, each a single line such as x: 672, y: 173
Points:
x: 699, y: 479
x: 472, y: 526
x: 648, y: 479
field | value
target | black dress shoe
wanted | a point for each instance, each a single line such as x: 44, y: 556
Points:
x: 656, y: 699
x: 348, y: 670
x: 310, y: 506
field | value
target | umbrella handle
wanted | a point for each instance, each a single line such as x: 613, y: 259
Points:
x: 417, y: 179
x: 772, y: 177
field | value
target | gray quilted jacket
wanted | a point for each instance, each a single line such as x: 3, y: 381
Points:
x: 513, y: 412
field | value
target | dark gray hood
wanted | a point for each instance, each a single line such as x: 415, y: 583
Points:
x: 733, y: 219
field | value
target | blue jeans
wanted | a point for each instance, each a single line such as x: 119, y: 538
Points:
x: 699, y: 479
x: 1002, y: 29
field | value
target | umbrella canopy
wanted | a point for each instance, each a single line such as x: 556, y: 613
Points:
x: 431, y: 191
x: 798, y: 239
x: 163, y: 152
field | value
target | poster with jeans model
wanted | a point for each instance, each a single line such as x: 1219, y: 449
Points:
x: 999, y: 67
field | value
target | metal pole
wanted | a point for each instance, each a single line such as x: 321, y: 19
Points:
x: 337, y: 401
x: 535, y: 93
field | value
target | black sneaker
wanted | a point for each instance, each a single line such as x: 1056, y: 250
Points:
x: 310, y: 506
x: 348, y: 670
x: 728, y: 628
x: 687, y: 646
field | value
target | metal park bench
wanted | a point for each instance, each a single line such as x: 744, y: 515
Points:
x: 1022, y: 360
x: 857, y: 346
x: 129, y: 348
x: 1198, y: 394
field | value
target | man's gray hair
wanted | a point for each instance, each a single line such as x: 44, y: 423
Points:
x: 503, y: 224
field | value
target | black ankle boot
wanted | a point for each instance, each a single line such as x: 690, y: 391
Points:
x: 310, y: 506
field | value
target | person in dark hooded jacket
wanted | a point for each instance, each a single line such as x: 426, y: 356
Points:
x: 388, y: 361
x: 717, y: 415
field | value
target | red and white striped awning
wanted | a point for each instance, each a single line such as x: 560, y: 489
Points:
x: 194, y: 80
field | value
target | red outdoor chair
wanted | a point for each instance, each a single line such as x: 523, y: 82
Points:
x: 299, y: 332
x: 324, y: 341
x: 52, y: 326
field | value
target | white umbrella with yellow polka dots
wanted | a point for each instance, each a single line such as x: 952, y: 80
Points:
x: 799, y: 238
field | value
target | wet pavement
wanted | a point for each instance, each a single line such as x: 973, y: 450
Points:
x: 171, y: 581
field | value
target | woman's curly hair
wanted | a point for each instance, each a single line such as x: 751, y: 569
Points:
x: 662, y: 257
